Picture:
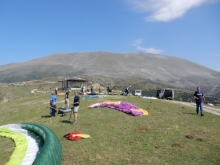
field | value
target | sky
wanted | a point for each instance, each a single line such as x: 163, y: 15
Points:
x: 189, y: 29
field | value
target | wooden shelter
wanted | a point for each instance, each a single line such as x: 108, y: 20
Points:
x: 72, y: 83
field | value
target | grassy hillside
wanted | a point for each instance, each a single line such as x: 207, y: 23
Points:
x: 171, y: 134
x: 13, y: 91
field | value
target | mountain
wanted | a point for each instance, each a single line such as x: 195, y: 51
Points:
x: 133, y: 66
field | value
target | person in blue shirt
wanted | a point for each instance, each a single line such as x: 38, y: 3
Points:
x: 199, y: 97
x: 53, y: 100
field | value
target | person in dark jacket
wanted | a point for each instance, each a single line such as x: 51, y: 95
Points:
x: 91, y: 88
x: 127, y: 91
x: 199, y: 97
x: 76, y: 102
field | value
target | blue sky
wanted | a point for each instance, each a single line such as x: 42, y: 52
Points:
x: 181, y: 28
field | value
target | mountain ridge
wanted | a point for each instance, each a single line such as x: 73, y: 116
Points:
x: 150, y: 67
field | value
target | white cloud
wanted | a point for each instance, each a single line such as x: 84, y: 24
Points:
x: 137, y: 44
x: 166, y: 10
x: 149, y: 50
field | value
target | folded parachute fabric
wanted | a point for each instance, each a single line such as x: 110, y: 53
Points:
x: 35, y: 144
x: 146, y: 97
x: 122, y: 106
x: 90, y: 96
x: 75, y: 136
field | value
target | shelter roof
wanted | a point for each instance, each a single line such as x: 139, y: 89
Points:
x: 75, y: 79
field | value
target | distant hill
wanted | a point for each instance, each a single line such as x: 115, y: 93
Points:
x: 115, y: 67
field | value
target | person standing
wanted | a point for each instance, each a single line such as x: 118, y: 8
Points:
x: 76, y: 102
x: 53, y: 100
x: 83, y: 89
x: 66, y: 102
x: 56, y: 90
x: 100, y: 89
x: 91, y: 89
x: 199, y: 97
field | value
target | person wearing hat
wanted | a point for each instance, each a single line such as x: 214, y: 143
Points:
x: 53, y: 100
x: 66, y: 102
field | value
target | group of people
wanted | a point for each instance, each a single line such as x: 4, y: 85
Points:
x: 99, y: 87
x: 75, y: 108
x: 90, y: 89
x: 109, y: 90
x: 198, y: 96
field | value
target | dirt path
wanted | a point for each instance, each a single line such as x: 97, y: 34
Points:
x: 206, y: 108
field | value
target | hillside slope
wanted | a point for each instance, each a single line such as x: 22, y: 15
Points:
x: 150, y: 67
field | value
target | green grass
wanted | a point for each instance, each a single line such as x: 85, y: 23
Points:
x: 121, y: 139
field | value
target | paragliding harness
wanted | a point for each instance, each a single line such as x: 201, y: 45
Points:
x: 62, y: 111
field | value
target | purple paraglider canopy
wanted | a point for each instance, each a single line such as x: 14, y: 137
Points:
x: 123, y: 107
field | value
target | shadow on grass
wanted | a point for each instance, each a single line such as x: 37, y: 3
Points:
x: 46, y: 116
x: 189, y: 113
x: 66, y: 121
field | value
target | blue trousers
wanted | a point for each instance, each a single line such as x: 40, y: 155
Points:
x: 199, y: 106
x: 53, y: 108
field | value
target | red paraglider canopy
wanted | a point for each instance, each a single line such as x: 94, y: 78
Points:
x: 73, y: 136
